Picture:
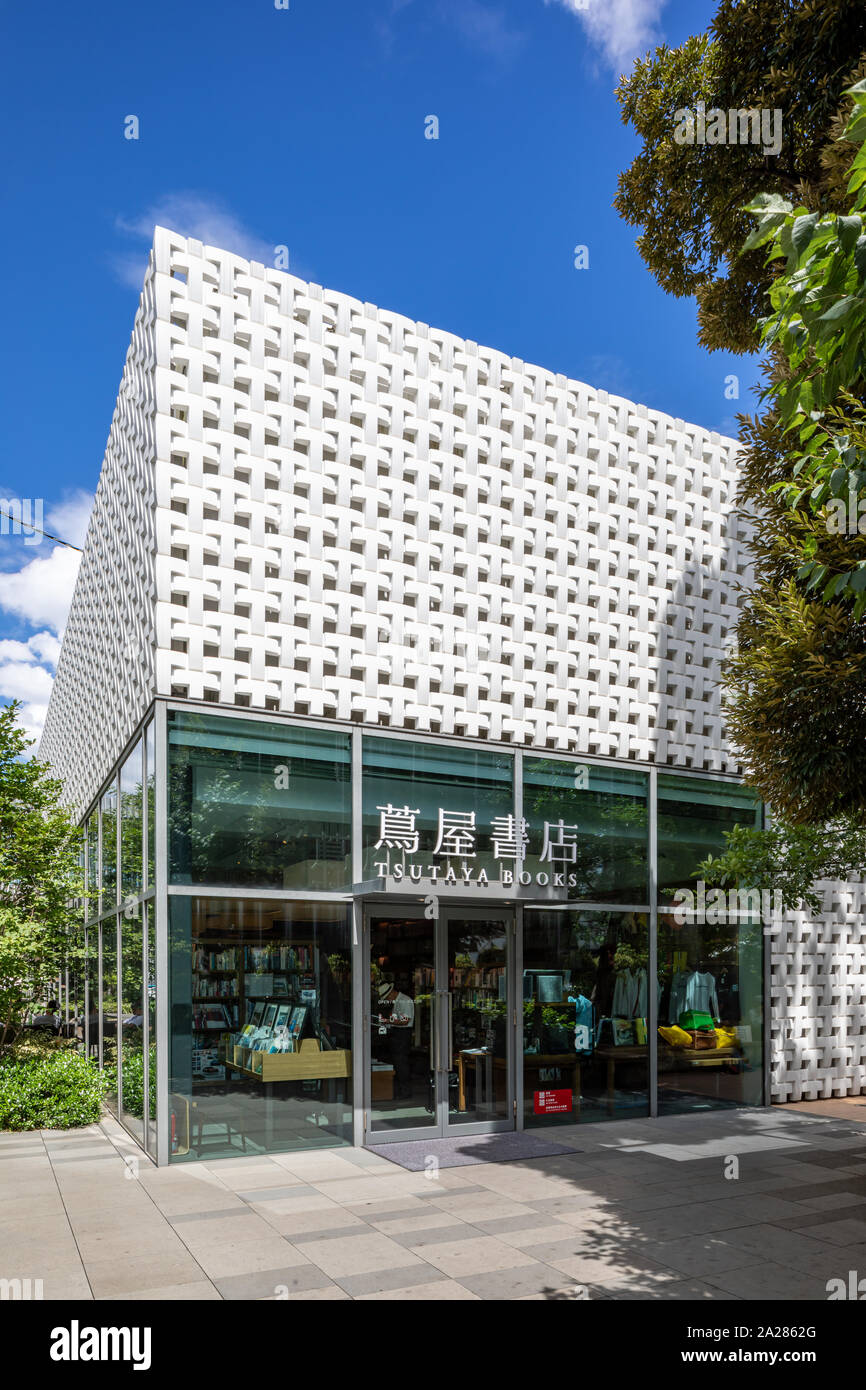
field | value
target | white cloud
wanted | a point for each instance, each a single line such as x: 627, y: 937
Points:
x: 193, y: 215
x: 69, y: 519
x: 42, y: 646
x: 41, y: 592
x: 482, y: 26
x: 23, y: 677
x: 621, y: 30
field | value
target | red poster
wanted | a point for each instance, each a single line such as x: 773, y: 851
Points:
x: 552, y: 1102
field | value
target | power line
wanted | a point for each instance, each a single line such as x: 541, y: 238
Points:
x: 26, y: 526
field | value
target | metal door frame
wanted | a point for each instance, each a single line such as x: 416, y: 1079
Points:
x: 442, y: 1127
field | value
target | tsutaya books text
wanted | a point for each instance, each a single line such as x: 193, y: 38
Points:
x: 456, y: 838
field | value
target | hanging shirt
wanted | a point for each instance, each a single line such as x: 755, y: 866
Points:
x: 678, y: 994
x: 582, y: 1022
x: 701, y: 994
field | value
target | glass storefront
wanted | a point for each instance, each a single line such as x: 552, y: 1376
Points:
x: 258, y: 804
x: 595, y: 825
x: 505, y: 947
x: 585, y: 1008
x: 431, y: 809
x: 261, y: 1037
x: 131, y: 824
x: 108, y: 1013
x: 710, y: 955
x: 131, y: 1021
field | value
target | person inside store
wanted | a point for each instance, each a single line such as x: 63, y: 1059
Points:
x: 50, y: 1020
x: 136, y: 1018
x: 397, y: 1014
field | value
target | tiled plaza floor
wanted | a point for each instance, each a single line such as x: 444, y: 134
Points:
x: 646, y: 1209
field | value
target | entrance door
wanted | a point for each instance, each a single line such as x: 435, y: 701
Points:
x: 440, y: 1025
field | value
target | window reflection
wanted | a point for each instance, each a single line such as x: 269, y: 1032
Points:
x: 585, y: 1005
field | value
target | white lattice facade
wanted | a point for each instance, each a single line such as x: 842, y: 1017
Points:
x: 313, y: 506
x: 350, y: 514
x: 818, y: 1000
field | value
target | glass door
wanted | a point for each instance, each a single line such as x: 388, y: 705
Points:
x: 440, y: 1024
x: 401, y: 1027
x: 478, y: 1030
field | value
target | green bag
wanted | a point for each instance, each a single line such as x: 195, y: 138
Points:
x: 695, y: 1020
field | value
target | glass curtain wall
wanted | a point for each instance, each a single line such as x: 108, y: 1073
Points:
x: 591, y: 822
x: 258, y: 804
x: 585, y: 1006
x: 261, y: 1011
x: 429, y: 807
x: 710, y: 955
x: 118, y: 976
x: 150, y: 1096
x: 132, y: 1020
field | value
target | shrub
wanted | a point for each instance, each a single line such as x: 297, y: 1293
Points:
x: 44, y: 1085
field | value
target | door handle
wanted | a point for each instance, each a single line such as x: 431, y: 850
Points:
x: 450, y: 1031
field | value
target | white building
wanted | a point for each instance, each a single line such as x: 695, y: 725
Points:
x: 338, y: 524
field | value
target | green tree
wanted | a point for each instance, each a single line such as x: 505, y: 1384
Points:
x: 795, y: 683
x: 792, y: 56
x: 40, y: 878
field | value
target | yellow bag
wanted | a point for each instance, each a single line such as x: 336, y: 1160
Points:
x: 726, y: 1037
x: 677, y: 1037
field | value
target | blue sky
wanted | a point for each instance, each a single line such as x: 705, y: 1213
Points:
x: 305, y: 127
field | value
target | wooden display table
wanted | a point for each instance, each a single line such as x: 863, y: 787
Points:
x: 532, y: 1061
x: 310, y: 1063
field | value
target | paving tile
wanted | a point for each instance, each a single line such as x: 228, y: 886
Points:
x: 609, y: 1269
x: 203, y: 1291
x: 363, y: 1254
x: 187, y: 1219
x: 474, y: 1206
x: 529, y: 1239
x: 387, y: 1280
x: 313, y: 1224
x: 21, y: 1222
x: 129, y: 1243
x: 475, y: 1254
x: 700, y: 1255
x: 443, y: 1290
x: 392, y: 1223
x: 769, y: 1282
x: 523, y: 1280
x: 65, y: 1283
x: 116, y: 1276
x: 228, y: 1257
x: 847, y: 1231
x: 277, y: 1284
x: 260, y: 1196
x: 420, y: 1240
x: 834, y: 1201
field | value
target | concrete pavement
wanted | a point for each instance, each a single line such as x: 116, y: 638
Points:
x: 753, y: 1205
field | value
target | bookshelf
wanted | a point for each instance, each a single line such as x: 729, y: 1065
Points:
x: 228, y: 981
